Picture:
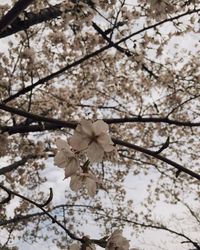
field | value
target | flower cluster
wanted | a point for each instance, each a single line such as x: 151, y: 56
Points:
x: 161, y: 7
x: 117, y: 241
x: 78, y: 247
x: 91, y: 139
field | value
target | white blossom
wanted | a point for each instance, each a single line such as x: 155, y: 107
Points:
x: 92, y: 137
x: 66, y: 159
x: 76, y: 246
x: 81, y: 179
x: 117, y: 241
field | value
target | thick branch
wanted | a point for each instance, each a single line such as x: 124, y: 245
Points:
x: 157, y: 156
x: 36, y: 118
x: 13, y: 13
x: 116, y: 141
x: 16, y: 164
x: 33, y: 19
x: 152, y: 120
x: 60, y: 123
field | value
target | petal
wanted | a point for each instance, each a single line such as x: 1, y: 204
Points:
x: 62, y: 144
x: 118, y: 240
x: 74, y: 246
x: 95, y: 152
x: 60, y: 159
x: 104, y: 138
x: 91, y: 187
x: 93, y: 177
x: 100, y: 127
x: 105, y: 141
x: 78, y: 128
x: 108, y: 148
x: 86, y: 126
x: 117, y: 233
x: 78, y: 142
x: 72, y: 166
x: 76, y: 182
x: 91, y: 247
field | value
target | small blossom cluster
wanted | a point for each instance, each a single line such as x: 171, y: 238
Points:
x: 91, y: 140
x: 4, y: 144
x: 161, y: 7
x: 115, y: 242
x: 28, y: 53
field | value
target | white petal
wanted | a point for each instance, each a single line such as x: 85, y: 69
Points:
x: 108, y: 148
x: 117, y: 233
x: 91, y: 247
x: 116, y: 239
x: 74, y: 246
x: 104, y: 138
x: 60, y: 159
x: 76, y: 182
x: 91, y: 187
x: 100, y: 127
x: 78, y: 142
x: 95, y: 152
x: 62, y: 144
x: 105, y: 141
x: 72, y: 167
x: 86, y: 126
x: 93, y: 177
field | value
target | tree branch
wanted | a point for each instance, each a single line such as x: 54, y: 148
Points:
x: 161, y: 227
x: 16, y: 164
x: 60, y: 123
x: 93, y: 54
x: 121, y: 49
x: 157, y: 156
x: 19, y: 218
x: 73, y: 125
x: 13, y: 13
x: 72, y: 236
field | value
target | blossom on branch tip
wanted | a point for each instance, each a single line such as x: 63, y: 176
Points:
x: 92, y: 137
x: 66, y: 158
x: 117, y: 241
x: 81, y: 179
x: 76, y: 246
